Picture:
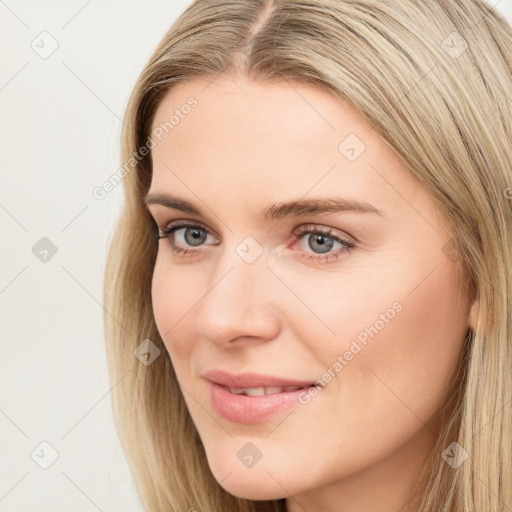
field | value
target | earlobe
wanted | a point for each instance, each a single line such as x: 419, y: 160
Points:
x: 473, y: 314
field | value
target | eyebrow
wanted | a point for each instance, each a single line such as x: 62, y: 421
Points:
x: 275, y: 211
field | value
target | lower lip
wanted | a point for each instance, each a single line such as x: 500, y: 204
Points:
x: 251, y: 409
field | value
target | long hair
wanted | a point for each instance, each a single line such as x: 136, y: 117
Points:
x: 434, y: 78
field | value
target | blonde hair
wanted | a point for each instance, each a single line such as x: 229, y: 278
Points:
x: 435, y: 79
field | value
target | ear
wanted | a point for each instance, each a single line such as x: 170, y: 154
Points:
x: 473, y: 314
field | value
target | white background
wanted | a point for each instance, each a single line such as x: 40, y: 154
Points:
x: 60, y: 124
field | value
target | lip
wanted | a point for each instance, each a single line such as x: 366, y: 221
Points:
x: 251, y: 380
x: 250, y: 409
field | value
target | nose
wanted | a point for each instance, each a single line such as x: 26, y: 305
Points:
x: 239, y: 305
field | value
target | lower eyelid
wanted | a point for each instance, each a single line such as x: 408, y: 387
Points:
x: 345, y: 248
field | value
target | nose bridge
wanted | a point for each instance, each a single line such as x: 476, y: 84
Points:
x: 241, y: 270
x: 238, y: 302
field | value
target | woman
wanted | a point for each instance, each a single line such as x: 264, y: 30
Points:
x: 308, y: 293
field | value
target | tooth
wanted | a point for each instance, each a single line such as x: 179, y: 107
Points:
x: 272, y: 390
x: 254, y: 391
x: 291, y: 388
x: 269, y: 390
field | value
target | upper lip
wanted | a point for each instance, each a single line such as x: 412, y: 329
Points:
x: 252, y: 380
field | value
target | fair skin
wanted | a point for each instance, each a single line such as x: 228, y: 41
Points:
x: 362, y: 442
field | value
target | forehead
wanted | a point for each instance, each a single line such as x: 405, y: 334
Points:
x: 271, y: 140
x: 259, y: 115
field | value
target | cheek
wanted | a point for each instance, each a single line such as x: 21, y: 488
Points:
x: 398, y: 350
x: 395, y: 342
x: 431, y: 333
x: 407, y: 343
x: 174, y: 292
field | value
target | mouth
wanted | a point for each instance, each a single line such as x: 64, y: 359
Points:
x: 267, y: 390
x: 254, y: 405
x: 254, y: 384
x: 251, y: 397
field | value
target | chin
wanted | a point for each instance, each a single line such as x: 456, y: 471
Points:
x: 250, y: 486
x: 259, y: 482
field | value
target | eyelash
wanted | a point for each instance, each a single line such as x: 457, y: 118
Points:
x: 347, y: 246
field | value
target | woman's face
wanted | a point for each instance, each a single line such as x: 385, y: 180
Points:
x: 313, y: 255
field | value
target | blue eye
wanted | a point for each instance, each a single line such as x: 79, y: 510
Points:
x: 194, y: 235
x: 325, y: 244
x: 321, y: 241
